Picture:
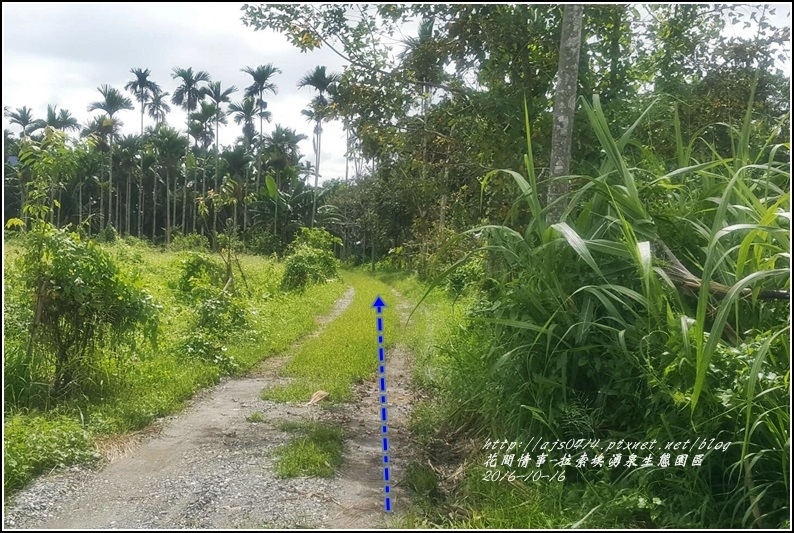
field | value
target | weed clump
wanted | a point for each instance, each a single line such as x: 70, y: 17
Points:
x: 81, y: 301
x: 311, y: 259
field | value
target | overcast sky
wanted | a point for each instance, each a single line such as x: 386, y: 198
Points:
x: 60, y: 53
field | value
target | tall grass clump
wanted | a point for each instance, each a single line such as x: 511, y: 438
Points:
x: 657, y: 308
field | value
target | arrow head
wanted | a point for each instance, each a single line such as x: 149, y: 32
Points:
x: 378, y: 303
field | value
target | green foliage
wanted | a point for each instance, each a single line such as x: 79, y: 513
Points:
x: 261, y: 242
x: 217, y: 320
x: 282, y: 319
x: 222, y: 314
x: 12, y: 236
x: 470, y: 274
x: 342, y: 354
x: 316, y: 453
x: 81, y: 302
x: 311, y: 259
x: 591, y: 326
x: 317, y: 238
x: 50, y: 162
x: 422, y: 481
x: 255, y: 417
x: 583, y: 326
x: 200, y: 277
x: 108, y: 234
x: 306, y: 266
x: 35, y: 444
x: 190, y: 242
x: 122, y: 394
x: 154, y: 387
x: 207, y: 347
x: 395, y: 260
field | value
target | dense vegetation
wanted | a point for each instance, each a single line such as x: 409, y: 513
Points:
x: 640, y: 295
x: 203, y: 329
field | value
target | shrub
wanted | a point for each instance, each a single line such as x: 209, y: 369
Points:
x: 469, y: 274
x: 308, y: 265
x: 230, y: 238
x: 81, y: 301
x: 136, y: 242
x: 108, y: 234
x: 200, y: 278
x: 208, y: 348
x: 311, y: 259
x: 258, y: 241
x: 191, y: 241
x: 317, y: 238
x: 222, y: 315
x: 13, y: 235
x: 217, y: 318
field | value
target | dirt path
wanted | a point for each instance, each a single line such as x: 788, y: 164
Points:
x: 361, y: 503
x: 209, y: 467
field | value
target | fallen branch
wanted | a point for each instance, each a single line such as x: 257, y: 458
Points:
x: 685, y: 279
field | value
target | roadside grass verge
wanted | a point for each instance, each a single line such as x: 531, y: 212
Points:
x: 316, y: 452
x: 450, y: 486
x: 346, y: 352
x: 161, y: 382
x: 431, y: 325
x: 33, y: 445
x: 127, y: 391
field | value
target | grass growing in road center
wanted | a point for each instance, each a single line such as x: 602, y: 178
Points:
x: 317, y: 453
x: 132, y: 389
x: 346, y: 351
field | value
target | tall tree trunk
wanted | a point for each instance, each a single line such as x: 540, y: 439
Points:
x: 184, y: 205
x: 275, y: 217
x: 372, y: 246
x: 154, y: 207
x: 128, y: 205
x: 101, y: 205
x: 167, y: 206
x: 217, y: 158
x: 443, y: 210
x: 318, y: 134
x: 174, y: 195
x: 214, y: 225
x: 260, y: 144
x: 80, y: 207
x: 141, y: 205
x: 203, y: 186
x: 193, y: 199
x: 245, y: 198
x: 118, y: 206
x: 614, y: 51
x: 217, y: 180
x: 564, y: 108
x: 110, y: 183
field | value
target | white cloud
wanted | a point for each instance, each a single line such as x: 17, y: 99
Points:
x: 60, y: 53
